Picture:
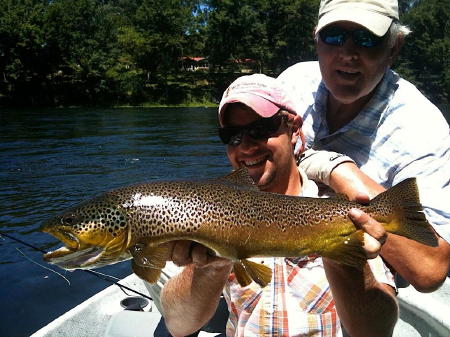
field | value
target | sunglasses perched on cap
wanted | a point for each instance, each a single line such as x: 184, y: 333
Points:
x: 261, y: 129
x: 336, y: 36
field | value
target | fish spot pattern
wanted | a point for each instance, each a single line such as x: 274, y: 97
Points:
x: 203, y: 210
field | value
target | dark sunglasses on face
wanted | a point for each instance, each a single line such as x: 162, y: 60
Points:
x: 261, y: 129
x: 336, y: 36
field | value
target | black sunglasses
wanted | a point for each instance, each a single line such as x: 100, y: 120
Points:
x: 336, y: 36
x: 263, y: 128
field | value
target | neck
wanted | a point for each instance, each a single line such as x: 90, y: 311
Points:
x: 340, y: 114
x: 294, y: 186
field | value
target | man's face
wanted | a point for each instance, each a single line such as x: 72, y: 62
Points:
x: 269, y: 162
x: 352, y: 72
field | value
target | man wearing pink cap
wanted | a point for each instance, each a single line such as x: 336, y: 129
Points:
x: 353, y: 103
x: 307, y: 295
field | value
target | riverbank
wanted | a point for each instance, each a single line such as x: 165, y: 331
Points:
x: 180, y: 105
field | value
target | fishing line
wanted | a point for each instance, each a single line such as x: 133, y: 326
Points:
x: 42, y: 266
x: 102, y: 276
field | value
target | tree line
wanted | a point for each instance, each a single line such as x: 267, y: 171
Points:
x: 116, y: 52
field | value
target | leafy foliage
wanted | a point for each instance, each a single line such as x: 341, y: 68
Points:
x: 81, y: 52
x: 425, y: 56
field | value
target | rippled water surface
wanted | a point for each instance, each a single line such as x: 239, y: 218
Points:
x: 51, y: 159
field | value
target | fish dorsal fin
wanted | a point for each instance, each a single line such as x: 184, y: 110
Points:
x: 246, y: 271
x: 240, y: 177
x: 146, y: 273
x: 149, y: 256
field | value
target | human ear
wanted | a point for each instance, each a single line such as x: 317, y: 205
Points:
x: 297, y: 130
x: 395, y: 50
x: 314, y: 36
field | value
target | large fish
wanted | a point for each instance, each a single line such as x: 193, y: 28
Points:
x: 230, y: 216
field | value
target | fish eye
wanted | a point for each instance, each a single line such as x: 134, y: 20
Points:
x: 67, y: 220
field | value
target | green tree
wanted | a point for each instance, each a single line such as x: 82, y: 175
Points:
x: 126, y: 73
x: 236, y: 30
x: 290, y: 32
x: 404, y: 6
x: 163, y: 25
x: 23, y: 51
x: 424, y: 59
x: 81, y: 36
x: 196, y: 30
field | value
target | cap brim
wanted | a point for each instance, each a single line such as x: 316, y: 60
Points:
x: 260, y: 105
x: 375, y: 22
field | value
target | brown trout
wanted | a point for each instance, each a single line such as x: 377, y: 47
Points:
x: 230, y: 216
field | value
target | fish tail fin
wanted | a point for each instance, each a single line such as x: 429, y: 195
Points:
x: 348, y: 250
x: 246, y: 271
x: 408, y: 218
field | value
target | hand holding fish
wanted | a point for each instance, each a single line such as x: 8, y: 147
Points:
x: 185, y: 252
x: 374, y: 232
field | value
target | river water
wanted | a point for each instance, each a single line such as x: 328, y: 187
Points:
x: 51, y: 159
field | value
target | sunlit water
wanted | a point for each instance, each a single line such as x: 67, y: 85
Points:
x: 51, y: 159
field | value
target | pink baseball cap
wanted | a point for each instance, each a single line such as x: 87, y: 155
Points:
x: 263, y: 94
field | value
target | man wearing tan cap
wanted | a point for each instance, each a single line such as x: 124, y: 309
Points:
x: 308, y: 295
x: 353, y: 103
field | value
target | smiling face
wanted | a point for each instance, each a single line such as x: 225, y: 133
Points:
x: 270, y: 162
x: 351, y: 72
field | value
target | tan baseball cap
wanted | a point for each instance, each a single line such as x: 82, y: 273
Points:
x: 376, y: 16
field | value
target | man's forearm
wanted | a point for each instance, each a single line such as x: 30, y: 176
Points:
x: 348, y: 179
x: 190, y: 299
x: 366, y: 307
x: 423, y: 266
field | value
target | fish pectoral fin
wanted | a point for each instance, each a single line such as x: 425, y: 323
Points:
x: 246, y: 271
x: 150, y: 256
x: 241, y: 274
x: 146, y: 273
x: 348, y: 250
x: 260, y: 273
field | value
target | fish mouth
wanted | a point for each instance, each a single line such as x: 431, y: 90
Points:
x: 76, y: 254
x: 69, y: 239
x: 72, y: 255
x: 69, y: 258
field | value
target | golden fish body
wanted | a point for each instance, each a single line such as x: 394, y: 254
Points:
x: 230, y: 216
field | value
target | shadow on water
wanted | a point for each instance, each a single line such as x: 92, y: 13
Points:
x: 51, y: 159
